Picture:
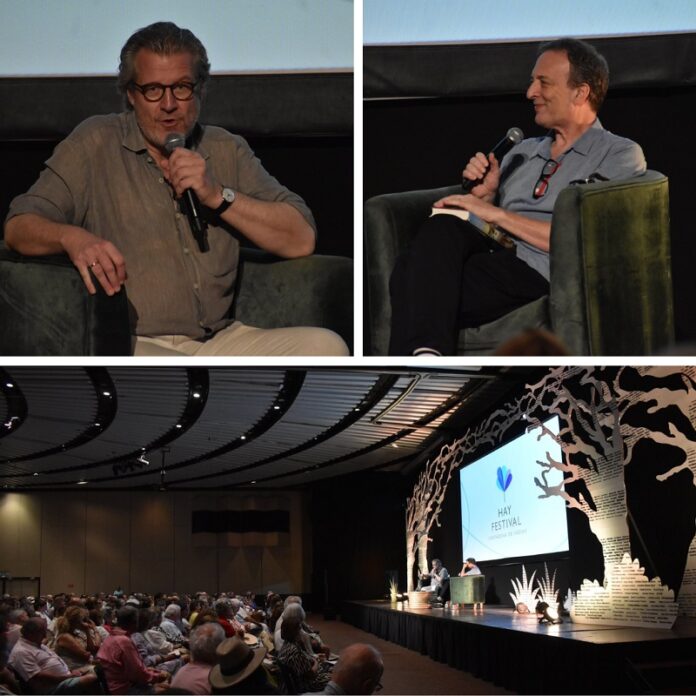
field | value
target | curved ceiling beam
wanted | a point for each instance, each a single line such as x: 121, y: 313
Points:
x: 432, y: 415
x: 107, y: 405
x: 378, y: 391
x: 16, y: 404
x: 288, y: 392
x: 198, y: 388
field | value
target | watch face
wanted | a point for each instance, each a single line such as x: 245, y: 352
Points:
x: 228, y: 195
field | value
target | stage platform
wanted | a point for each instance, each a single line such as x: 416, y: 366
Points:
x: 520, y: 654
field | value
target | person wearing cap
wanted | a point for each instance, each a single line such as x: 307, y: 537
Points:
x: 240, y: 670
x: 469, y: 568
x: 452, y: 276
x: 203, y: 642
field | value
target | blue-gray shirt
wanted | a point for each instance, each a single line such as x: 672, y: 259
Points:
x: 595, y: 151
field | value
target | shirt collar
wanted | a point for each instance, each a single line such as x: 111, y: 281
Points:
x: 134, y: 141
x: 582, y: 145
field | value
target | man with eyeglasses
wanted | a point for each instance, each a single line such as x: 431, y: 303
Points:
x: 451, y: 278
x: 113, y: 198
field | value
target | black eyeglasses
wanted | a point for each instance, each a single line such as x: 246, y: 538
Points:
x: 153, y: 92
x: 542, y: 185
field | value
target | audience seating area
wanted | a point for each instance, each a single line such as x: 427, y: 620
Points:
x: 154, y: 644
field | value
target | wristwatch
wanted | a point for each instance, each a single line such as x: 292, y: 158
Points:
x: 228, y: 196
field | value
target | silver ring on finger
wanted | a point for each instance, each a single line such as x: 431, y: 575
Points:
x: 93, y: 264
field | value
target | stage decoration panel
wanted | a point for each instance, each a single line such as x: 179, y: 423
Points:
x: 628, y: 462
x: 627, y: 598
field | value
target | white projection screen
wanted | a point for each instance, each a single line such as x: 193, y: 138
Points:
x: 454, y: 21
x: 503, y: 515
x: 84, y: 37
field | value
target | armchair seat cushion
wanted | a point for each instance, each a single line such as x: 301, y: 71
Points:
x: 46, y: 310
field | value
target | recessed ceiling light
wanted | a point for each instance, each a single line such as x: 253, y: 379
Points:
x: 178, y: 425
x: 106, y: 393
x: 243, y: 437
x: 9, y: 385
x: 276, y: 407
x: 36, y: 473
x: 394, y: 444
x: 253, y: 481
x: 196, y: 395
x: 81, y: 483
x: 96, y: 425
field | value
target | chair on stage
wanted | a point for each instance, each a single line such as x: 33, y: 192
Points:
x: 45, y: 309
x: 468, y: 589
x: 611, y: 286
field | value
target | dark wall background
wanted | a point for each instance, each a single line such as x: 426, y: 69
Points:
x: 300, y: 126
x: 429, y: 109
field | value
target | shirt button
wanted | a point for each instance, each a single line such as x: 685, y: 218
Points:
x: 178, y: 216
x: 195, y: 286
x: 186, y: 251
x: 149, y: 159
x: 161, y: 180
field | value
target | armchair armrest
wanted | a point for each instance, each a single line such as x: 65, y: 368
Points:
x: 391, y: 221
x: 611, y: 286
x: 45, y: 310
x: 310, y: 291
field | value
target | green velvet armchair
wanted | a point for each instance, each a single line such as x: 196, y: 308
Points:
x: 611, y: 286
x: 46, y: 311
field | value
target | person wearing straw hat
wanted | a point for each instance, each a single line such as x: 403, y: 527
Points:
x: 240, y: 669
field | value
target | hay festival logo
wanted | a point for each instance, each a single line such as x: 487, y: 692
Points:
x: 505, y: 520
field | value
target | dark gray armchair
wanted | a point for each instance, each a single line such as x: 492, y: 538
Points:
x: 46, y: 311
x: 611, y: 286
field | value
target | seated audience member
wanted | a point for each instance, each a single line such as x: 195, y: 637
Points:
x: 8, y: 683
x: 96, y: 616
x: 308, y: 673
x: 274, y: 611
x: 358, y: 671
x: 75, y: 639
x: 205, y: 616
x: 172, y: 626
x: 240, y: 670
x: 16, y: 619
x: 156, y: 637
x: 43, y: 671
x: 225, y: 611
x: 290, y: 600
x: 203, y: 642
x: 151, y: 658
x: 123, y: 667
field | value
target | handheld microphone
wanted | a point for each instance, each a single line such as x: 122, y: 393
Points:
x: 189, y: 198
x: 513, y: 137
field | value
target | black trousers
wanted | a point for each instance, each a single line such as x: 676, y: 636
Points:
x: 449, y: 279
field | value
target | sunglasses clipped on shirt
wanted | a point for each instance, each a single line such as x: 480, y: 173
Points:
x: 542, y: 184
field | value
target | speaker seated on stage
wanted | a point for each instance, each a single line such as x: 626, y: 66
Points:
x: 152, y: 200
x: 453, y: 276
x: 469, y: 568
x: 435, y: 579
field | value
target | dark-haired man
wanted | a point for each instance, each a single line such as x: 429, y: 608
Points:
x: 449, y: 279
x: 111, y: 198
